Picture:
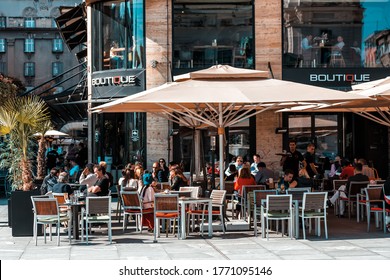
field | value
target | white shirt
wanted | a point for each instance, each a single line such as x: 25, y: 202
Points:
x: 88, y: 180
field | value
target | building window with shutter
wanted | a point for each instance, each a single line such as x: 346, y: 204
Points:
x: 3, y: 44
x: 57, y: 68
x: 29, y: 45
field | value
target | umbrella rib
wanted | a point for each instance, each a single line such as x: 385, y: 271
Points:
x: 380, y: 112
x: 193, y: 115
x: 250, y: 115
x: 231, y: 114
x: 373, y: 118
x: 213, y: 112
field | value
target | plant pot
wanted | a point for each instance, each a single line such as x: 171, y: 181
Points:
x: 21, y: 215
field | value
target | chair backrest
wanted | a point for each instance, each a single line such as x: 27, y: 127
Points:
x: 166, y: 203
x: 98, y: 205
x: 195, y: 191
x: 218, y: 196
x: 182, y: 193
x: 61, y: 197
x: 380, y: 181
x: 373, y: 193
x: 338, y: 183
x: 44, y: 206
x: 250, y: 188
x: 314, y: 200
x: 259, y: 195
x: 229, y: 187
x: 131, y: 200
x: 279, y: 202
x: 356, y: 187
x: 297, y: 193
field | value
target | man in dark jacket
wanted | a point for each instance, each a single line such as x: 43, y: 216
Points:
x: 343, y: 190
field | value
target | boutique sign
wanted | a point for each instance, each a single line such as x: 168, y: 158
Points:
x: 342, y: 78
x: 117, y: 83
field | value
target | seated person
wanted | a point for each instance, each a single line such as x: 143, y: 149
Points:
x: 74, y: 170
x: 100, y: 188
x: 233, y: 173
x: 304, y: 180
x: 343, y: 190
x: 264, y: 173
x: 338, y: 47
x: 147, y: 196
x: 87, y: 177
x: 62, y: 186
x: 49, y: 181
x: 287, y: 181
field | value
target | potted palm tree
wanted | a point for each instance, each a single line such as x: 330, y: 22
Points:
x: 20, y: 118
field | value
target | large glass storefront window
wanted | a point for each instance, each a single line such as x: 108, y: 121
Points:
x: 118, y: 35
x: 319, y: 129
x: 206, y: 34
x: 339, y: 34
x: 120, y: 138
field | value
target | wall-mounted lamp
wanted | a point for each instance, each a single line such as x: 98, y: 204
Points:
x: 153, y: 63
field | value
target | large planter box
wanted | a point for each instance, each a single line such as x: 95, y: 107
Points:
x: 21, y: 215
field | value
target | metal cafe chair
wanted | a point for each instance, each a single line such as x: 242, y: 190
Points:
x: 258, y: 196
x: 97, y: 211
x: 166, y: 207
x: 375, y: 204
x: 279, y: 208
x: 46, y: 212
x: 132, y: 205
x: 314, y: 207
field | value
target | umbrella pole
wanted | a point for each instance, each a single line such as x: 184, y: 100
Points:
x: 221, y: 132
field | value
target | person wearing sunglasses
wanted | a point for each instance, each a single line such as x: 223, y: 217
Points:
x: 164, y: 168
x: 239, y: 164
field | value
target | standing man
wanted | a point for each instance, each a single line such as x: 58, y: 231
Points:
x: 292, y: 159
x: 256, y: 161
x: 310, y: 161
x: 51, y: 158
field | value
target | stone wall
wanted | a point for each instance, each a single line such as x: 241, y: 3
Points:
x: 268, y: 49
x: 158, y: 28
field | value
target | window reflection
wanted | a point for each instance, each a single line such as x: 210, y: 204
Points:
x: 118, y: 34
x: 336, y: 34
x: 206, y: 34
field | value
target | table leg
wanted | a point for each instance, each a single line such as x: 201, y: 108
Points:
x: 75, y: 221
x: 211, y: 219
x: 183, y: 221
x: 296, y: 204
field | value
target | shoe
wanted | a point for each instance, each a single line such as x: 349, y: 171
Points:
x: 150, y: 230
x: 328, y: 203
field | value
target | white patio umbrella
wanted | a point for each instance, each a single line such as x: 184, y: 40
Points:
x: 53, y: 133
x: 222, y: 96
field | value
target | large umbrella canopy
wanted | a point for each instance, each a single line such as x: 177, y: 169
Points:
x: 222, y: 96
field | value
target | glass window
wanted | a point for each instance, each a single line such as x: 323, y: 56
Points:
x: 57, y: 68
x: 3, y: 44
x: 58, y: 46
x: 3, y: 67
x: 3, y: 22
x: 118, y: 34
x: 336, y: 33
x: 320, y: 129
x: 205, y: 34
x: 29, y: 22
x: 29, y: 69
x: 29, y: 45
